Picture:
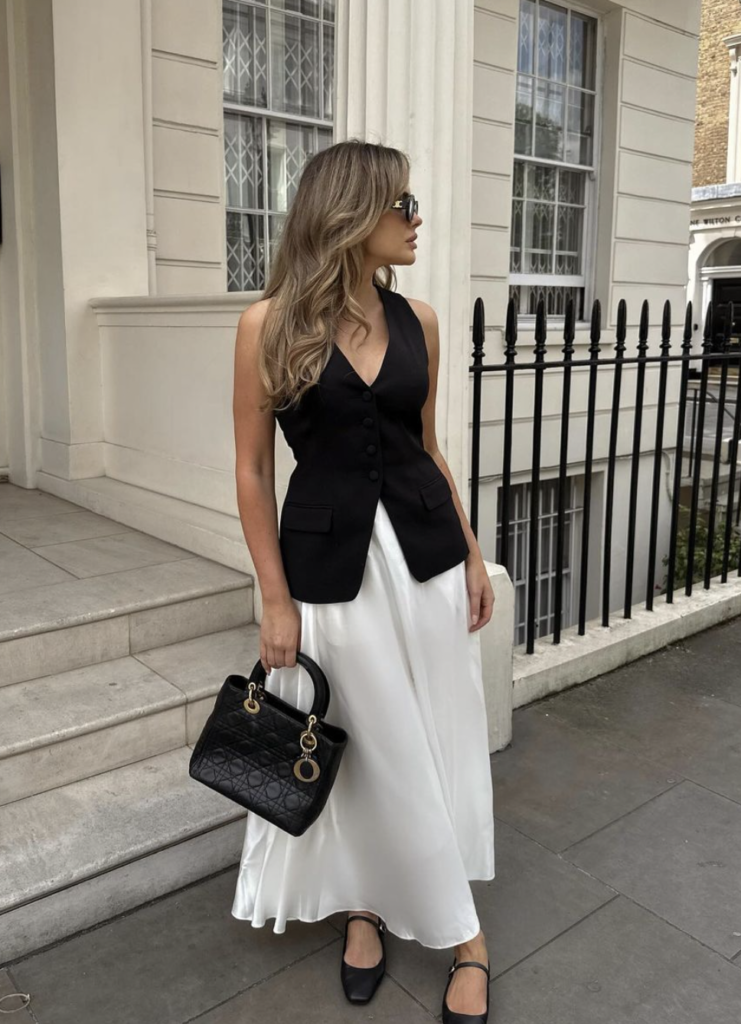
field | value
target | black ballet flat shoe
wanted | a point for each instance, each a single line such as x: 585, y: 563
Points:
x: 450, y: 1016
x: 360, y: 983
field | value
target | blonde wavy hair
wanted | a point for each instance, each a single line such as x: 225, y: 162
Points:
x: 319, y: 261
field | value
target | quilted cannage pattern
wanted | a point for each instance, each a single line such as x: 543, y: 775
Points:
x: 250, y: 758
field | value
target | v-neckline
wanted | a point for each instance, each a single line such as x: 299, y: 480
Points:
x: 388, y: 344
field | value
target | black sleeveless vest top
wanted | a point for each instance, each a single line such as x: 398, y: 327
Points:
x: 354, y: 444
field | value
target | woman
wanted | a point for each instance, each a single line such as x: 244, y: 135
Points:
x: 375, y: 573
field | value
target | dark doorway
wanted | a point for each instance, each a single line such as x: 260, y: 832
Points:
x: 725, y: 291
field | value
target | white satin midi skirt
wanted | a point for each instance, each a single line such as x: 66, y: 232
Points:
x: 409, y: 820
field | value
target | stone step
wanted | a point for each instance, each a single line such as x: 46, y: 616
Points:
x: 76, y: 724
x: 56, y: 627
x: 85, y: 852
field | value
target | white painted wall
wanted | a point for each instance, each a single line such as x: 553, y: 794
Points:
x: 647, y: 71
x: 189, y: 210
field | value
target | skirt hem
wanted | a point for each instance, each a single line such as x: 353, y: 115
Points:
x: 340, y: 910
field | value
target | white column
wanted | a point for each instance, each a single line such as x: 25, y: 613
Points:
x: 733, y: 169
x: 405, y: 79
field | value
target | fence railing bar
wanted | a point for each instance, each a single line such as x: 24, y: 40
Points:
x: 676, y: 495
x: 635, y: 461
x: 666, y: 330
x: 710, y: 543
x: 533, y: 549
x: 594, y: 350
x: 733, y: 458
x: 568, y: 351
x: 622, y: 316
x: 730, y: 357
x: 478, y: 355
x: 510, y: 353
x: 699, y: 437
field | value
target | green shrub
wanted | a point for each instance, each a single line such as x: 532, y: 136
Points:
x: 701, y: 540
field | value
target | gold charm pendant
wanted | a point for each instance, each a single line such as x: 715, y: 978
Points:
x: 308, y: 742
x: 250, y: 704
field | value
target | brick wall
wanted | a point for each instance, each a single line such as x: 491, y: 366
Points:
x: 720, y: 18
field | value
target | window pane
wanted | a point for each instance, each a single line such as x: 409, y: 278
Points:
x: 524, y: 116
x: 275, y: 226
x: 515, y: 263
x: 328, y: 72
x: 245, y: 55
x: 245, y: 251
x: 549, y: 120
x: 551, y: 62
x: 310, y: 7
x: 329, y: 10
x: 296, y: 73
x: 538, y: 238
x: 579, y: 127
x: 571, y: 187
x: 541, y: 182
x: 290, y: 146
x: 582, y: 53
x: 243, y: 161
x: 568, y: 240
x: 526, y: 48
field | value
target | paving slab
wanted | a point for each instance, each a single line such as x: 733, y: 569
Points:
x: 620, y: 965
x: 310, y: 992
x: 535, y: 896
x: 168, y: 962
x: 558, y: 784
x: 679, y: 857
x: 646, y: 711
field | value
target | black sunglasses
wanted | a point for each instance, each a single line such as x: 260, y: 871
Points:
x: 408, y: 204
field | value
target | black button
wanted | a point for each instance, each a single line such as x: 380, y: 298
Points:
x: 373, y: 474
x: 367, y: 395
x: 371, y: 449
x: 368, y: 421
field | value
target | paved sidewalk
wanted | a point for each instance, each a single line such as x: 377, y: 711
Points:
x: 617, y: 897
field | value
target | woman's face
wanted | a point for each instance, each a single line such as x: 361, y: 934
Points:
x: 392, y: 239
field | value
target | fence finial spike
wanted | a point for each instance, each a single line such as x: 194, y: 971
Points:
x: 687, y: 336
x: 595, y: 327
x: 666, y: 328
x: 643, y: 329
x: 622, y: 321
x: 569, y: 330
x: 510, y: 332
x: 478, y: 331
x: 540, y: 329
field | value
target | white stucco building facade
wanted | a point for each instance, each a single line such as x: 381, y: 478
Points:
x: 148, y: 149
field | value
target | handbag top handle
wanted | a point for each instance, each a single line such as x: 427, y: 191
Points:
x: 318, y: 678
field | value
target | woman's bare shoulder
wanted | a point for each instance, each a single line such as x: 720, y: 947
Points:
x: 425, y: 312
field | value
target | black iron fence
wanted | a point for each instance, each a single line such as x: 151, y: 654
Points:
x: 702, y: 539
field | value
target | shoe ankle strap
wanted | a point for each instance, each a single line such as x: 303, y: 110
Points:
x: 380, y: 924
x: 468, y: 963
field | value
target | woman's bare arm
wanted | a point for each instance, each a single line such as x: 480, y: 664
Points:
x: 481, y: 595
x: 254, y: 436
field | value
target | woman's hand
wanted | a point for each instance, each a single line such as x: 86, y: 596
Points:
x: 480, y: 592
x: 280, y: 634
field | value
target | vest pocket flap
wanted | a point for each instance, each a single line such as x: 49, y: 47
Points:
x: 436, y: 491
x: 317, y: 518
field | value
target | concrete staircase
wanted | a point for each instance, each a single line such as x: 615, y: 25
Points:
x: 113, y: 645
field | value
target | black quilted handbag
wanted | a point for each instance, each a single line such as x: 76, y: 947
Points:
x: 265, y: 754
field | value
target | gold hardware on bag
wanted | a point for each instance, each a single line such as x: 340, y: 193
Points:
x: 307, y: 747
x: 250, y: 704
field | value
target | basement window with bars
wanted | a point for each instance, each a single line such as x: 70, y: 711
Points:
x: 278, y: 111
x: 519, y: 553
x: 554, y: 168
